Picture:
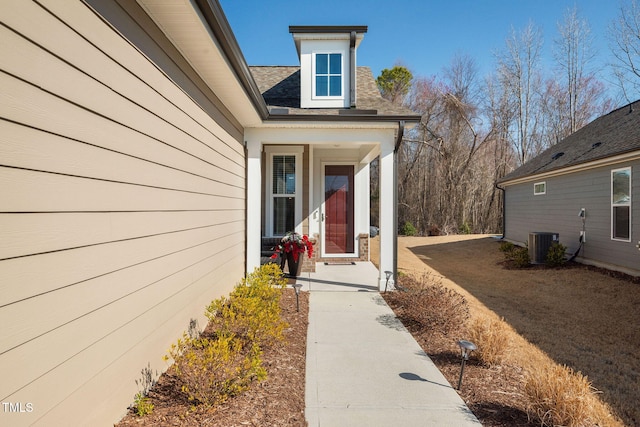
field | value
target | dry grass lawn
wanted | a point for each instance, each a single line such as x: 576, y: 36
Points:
x: 579, y: 316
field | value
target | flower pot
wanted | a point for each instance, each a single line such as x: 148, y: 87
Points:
x: 294, y: 266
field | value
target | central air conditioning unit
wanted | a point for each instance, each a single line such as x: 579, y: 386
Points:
x: 539, y: 244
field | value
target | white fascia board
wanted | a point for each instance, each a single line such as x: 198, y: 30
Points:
x: 321, y: 135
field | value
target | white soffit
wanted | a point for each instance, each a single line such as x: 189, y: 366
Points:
x: 186, y: 28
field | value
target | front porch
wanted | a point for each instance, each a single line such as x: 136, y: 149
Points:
x: 316, y: 182
x: 358, y: 276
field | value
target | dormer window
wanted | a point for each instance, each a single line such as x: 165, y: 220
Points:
x: 328, y: 75
x: 328, y: 65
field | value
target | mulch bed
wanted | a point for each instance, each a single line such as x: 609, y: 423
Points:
x: 493, y: 394
x: 277, y: 401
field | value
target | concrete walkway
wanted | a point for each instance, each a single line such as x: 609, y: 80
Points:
x: 363, y: 366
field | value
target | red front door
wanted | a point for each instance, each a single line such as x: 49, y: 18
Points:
x: 338, y: 207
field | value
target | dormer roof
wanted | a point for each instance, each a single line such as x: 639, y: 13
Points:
x: 326, y: 32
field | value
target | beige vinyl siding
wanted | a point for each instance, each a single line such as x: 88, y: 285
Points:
x: 122, y: 214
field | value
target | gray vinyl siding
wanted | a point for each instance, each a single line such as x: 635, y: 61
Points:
x: 122, y: 214
x: 557, y: 211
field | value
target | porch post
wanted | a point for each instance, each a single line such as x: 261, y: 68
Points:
x: 254, y: 200
x: 387, y: 228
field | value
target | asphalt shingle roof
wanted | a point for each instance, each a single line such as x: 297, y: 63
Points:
x: 280, y: 87
x: 615, y: 133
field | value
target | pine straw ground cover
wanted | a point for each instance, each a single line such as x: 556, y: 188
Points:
x: 575, y: 316
x: 501, y: 385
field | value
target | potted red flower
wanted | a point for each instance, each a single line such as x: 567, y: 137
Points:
x: 290, y: 248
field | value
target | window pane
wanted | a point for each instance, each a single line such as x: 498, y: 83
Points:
x: 335, y: 63
x: 335, y: 86
x: 322, y: 63
x: 322, y: 85
x: 621, y: 187
x: 284, y: 175
x: 621, y: 222
x: 283, y: 215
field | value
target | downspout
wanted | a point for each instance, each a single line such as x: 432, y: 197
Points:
x: 352, y: 70
x: 395, y: 200
x: 504, y: 210
x: 246, y: 207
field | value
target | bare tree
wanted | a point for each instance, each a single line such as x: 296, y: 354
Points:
x: 440, y: 157
x: 624, y: 37
x: 473, y: 132
x: 518, y: 68
x: 574, y: 54
x: 500, y: 155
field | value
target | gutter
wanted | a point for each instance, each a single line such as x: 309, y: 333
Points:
x: 395, y: 199
x: 344, y: 117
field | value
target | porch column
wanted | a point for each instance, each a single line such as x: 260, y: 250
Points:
x: 387, y: 228
x: 254, y: 201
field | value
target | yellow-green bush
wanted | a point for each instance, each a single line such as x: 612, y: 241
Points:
x: 252, y: 310
x: 491, y: 336
x: 214, y: 368
x: 557, y: 396
x: 142, y: 405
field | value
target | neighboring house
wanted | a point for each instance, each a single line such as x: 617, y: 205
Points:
x: 140, y: 168
x: 586, y: 185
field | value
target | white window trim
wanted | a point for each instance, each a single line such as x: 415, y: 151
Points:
x: 356, y: 211
x: 313, y: 74
x: 618, y: 239
x: 280, y: 151
x: 540, y: 193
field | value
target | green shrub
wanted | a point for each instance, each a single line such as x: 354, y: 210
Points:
x: 213, y: 370
x: 142, y: 405
x: 517, y: 256
x: 556, y: 255
x: 465, y: 228
x: 408, y: 229
x: 507, y: 246
x: 520, y: 257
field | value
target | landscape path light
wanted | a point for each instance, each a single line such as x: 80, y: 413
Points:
x: 388, y: 274
x: 466, y: 347
x: 297, y: 287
